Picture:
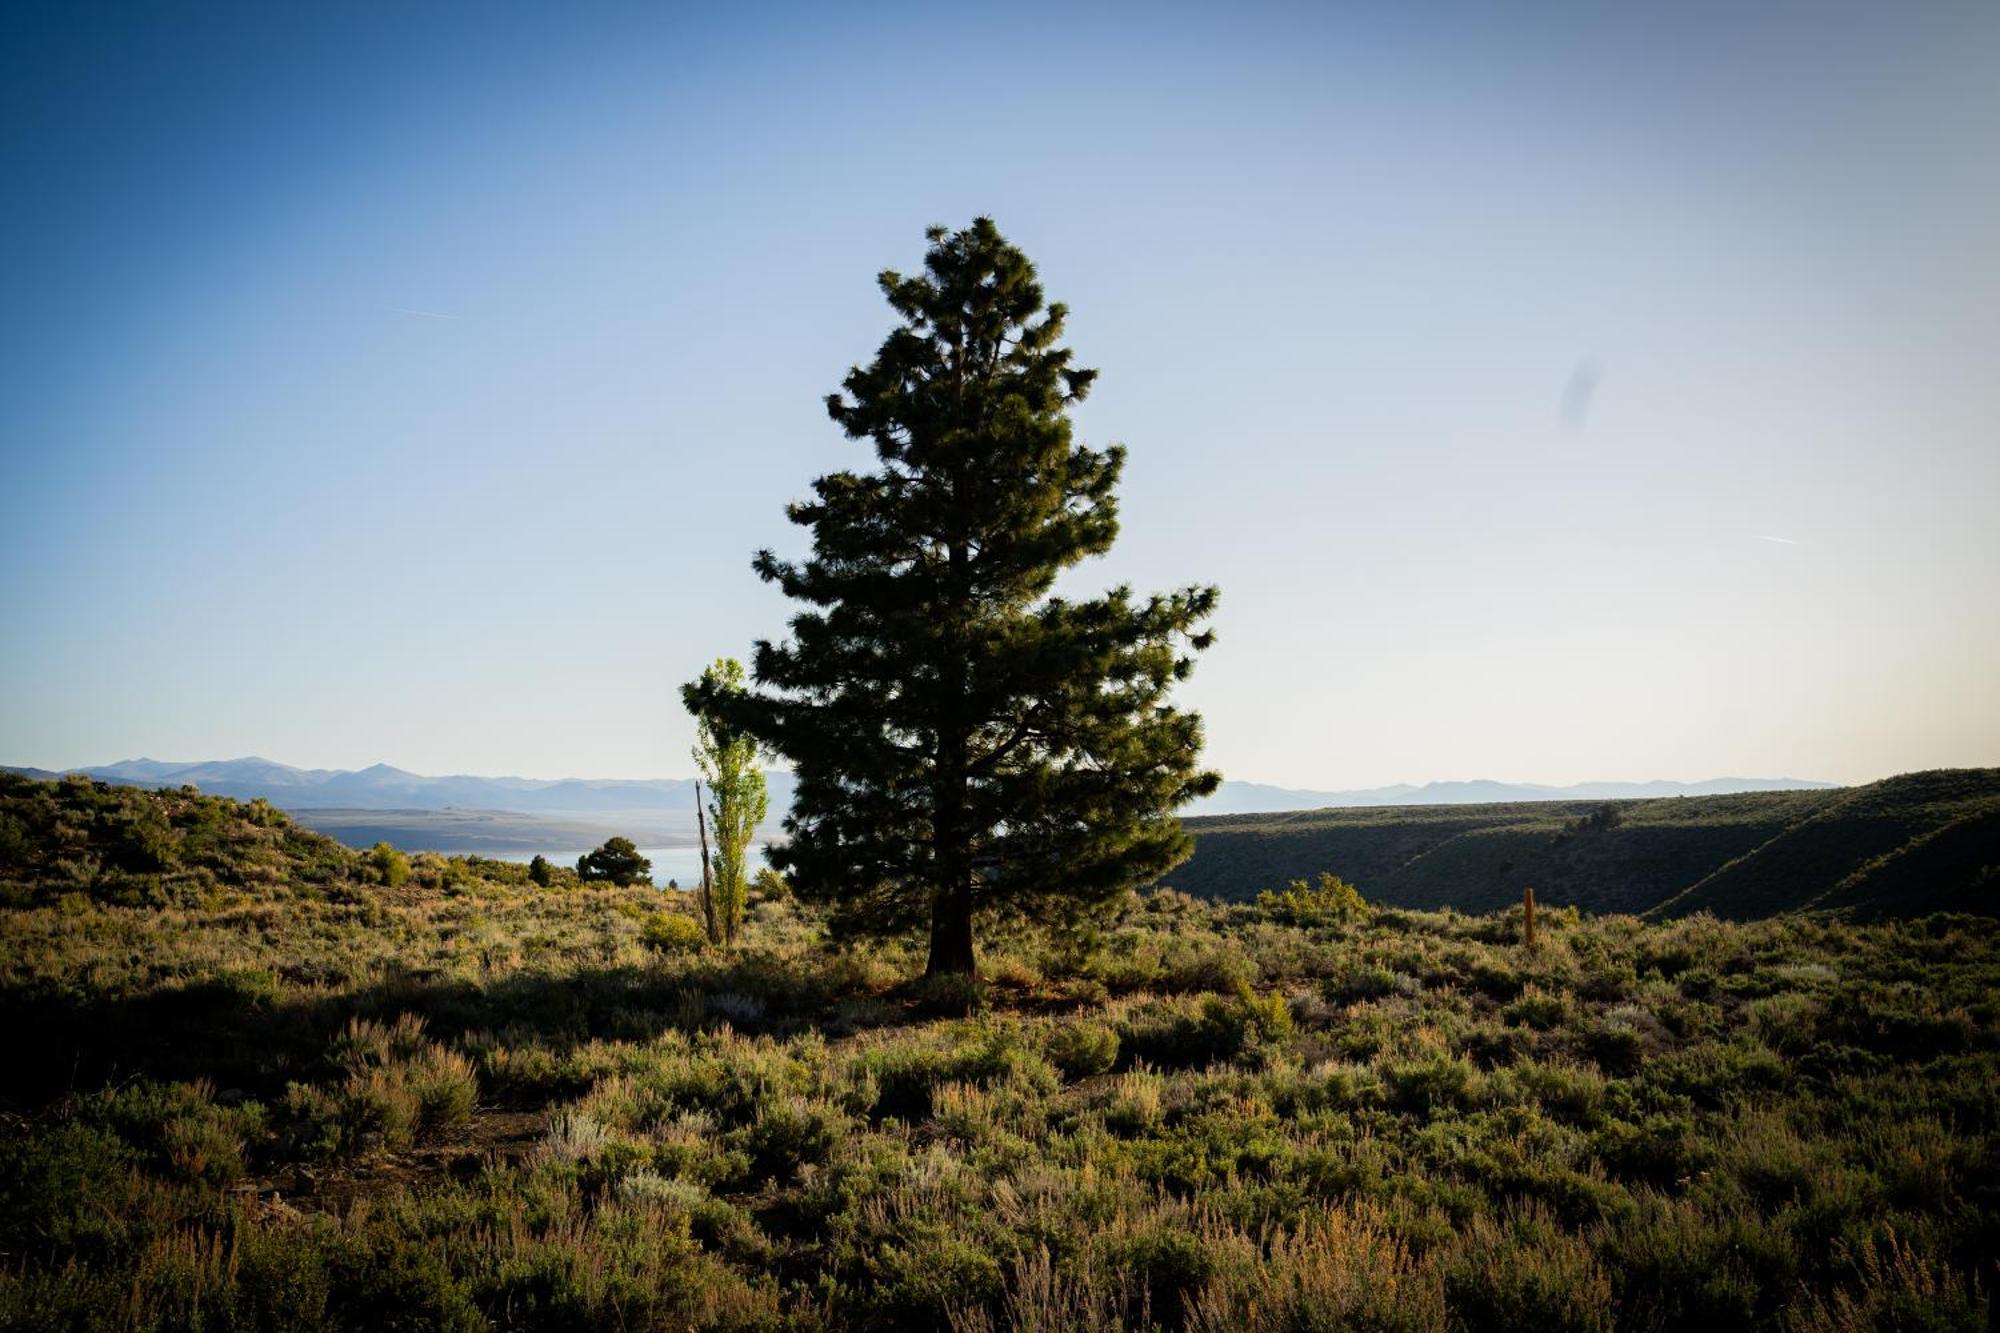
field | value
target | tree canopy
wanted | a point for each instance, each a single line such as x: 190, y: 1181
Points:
x: 965, y: 742
x: 728, y: 759
x: 617, y: 861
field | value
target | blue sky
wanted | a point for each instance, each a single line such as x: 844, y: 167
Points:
x: 1558, y: 393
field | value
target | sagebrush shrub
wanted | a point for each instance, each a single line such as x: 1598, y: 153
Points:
x: 1082, y: 1049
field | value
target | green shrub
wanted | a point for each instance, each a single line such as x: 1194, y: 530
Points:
x: 1169, y: 1265
x: 790, y: 1133
x: 1527, y: 1275
x: 180, y: 1129
x: 1366, y: 982
x: 1429, y: 1084
x: 671, y: 933
x: 1894, y: 1286
x: 1330, y: 901
x: 1538, y: 1009
x: 1617, y: 1048
x: 1082, y: 1049
x: 65, y: 1190
x: 391, y: 866
x: 1219, y: 1028
x: 399, y: 1087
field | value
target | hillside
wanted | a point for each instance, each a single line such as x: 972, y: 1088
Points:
x: 136, y: 847
x: 1828, y: 857
x: 292, y: 1097
x: 80, y: 841
x: 1903, y: 846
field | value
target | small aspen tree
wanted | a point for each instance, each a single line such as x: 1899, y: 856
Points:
x: 738, y: 804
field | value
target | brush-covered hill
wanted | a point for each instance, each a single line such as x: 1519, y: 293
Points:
x: 132, y: 846
x: 78, y: 838
x: 1923, y: 842
x: 336, y: 1105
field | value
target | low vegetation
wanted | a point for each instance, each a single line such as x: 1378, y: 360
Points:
x: 1907, y: 846
x: 262, y: 1089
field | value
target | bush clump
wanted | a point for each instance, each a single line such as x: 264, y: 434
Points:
x: 1082, y: 1049
x: 1330, y: 901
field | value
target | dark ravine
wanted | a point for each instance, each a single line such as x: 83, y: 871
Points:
x: 1922, y: 842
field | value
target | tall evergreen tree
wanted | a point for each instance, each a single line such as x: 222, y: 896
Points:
x: 963, y: 741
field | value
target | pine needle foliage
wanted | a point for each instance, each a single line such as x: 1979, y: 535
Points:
x: 964, y: 741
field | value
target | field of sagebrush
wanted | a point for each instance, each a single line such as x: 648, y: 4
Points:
x: 259, y: 1090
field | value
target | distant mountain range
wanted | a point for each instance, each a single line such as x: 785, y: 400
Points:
x: 383, y: 787
x: 666, y: 802
x: 1234, y: 798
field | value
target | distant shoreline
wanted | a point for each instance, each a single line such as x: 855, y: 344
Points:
x: 502, y: 834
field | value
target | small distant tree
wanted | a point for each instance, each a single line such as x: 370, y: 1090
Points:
x: 390, y: 865
x: 540, y: 871
x: 727, y: 758
x: 617, y: 862
x: 769, y: 885
x: 1599, y: 819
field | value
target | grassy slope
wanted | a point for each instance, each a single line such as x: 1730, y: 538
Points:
x: 134, y: 846
x: 1953, y: 868
x: 289, y: 1097
x: 1738, y: 856
x: 1854, y: 827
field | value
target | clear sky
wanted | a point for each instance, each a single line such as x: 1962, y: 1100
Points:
x: 1593, y: 391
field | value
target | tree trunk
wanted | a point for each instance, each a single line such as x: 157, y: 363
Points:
x: 951, y: 901
x: 951, y: 934
x: 708, y: 920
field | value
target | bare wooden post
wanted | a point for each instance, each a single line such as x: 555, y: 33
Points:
x: 707, y: 891
x: 1528, y: 917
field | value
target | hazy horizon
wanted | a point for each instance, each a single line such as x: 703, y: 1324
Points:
x: 1554, y: 393
x: 783, y: 768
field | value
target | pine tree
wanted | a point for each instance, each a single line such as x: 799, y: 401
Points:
x: 617, y: 862
x: 964, y: 742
